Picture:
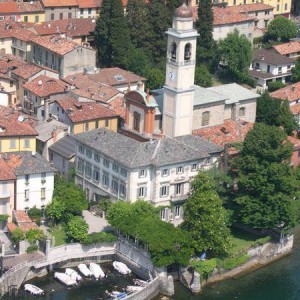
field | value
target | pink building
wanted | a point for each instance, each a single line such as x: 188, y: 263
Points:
x: 7, y: 184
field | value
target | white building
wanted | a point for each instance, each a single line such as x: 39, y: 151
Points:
x: 160, y: 171
x: 35, y: 179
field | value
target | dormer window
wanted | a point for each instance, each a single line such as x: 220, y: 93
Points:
x: 173, y: 51
x: 188, y: 51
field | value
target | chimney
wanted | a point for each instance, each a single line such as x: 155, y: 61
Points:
x: 46, y: 109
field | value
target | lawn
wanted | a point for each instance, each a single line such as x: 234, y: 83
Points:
x: 59, y: 234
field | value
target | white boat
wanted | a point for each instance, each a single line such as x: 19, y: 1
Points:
x: 32, y: 289
x: 65, y: 279
x: 117, y: 295
x: 85, y: 270
x: 121, y: 268
x: 97, y: 271
x: 73, y: 274
x: 140, y: 282
x: 133, y: 288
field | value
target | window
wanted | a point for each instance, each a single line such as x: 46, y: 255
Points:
x: 163, y: 214
x: 69, y: 15
x: 106, y: 123
x: 89, y: 11
x: 187, y: 51
x: 12, y: 144
x: 164, y: 191
x: 279, y: 70
x: 106, y: 162
x: 114, y: 186
x: 36, y: 19
x: 173, y: 51
x: 52, y: 17
x: 179, y: 188
x: 96, y: 157
x: 87, y: 193
x: 61, y: 16
x: 86, y: 126
x: 123, y: 172
x: 25, y: 18
x: 194, y: 167
x: 88, y: 170
x: 43, y: 193
x: 105, y: 180
x: 88, y: 153
x: 142, y: 192
x: 285, y: 6
x: 96, y: 175
x: 122, y: 189
x: 277, y: 7
x: 177, y: 211
x: 26, y: 194
x: 136, y: 121
x: 165, y: 172
x: 43, y: 177
x: 97, y: 124
x: 266, y: 23
x: 81, y: 11
x: 234, y: 2
x: 255, y: 23
x: 179, y: 170
x: 143, y: 173
x: 205, y: 118
x: 115, y: 168
x: 11, y: 83
x: 242, y: 111
x: 26, y: 143
x: 81, y: 149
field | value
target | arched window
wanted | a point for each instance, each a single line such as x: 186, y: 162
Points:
x: 173, y: 51
x: 205, y: 118
x: 187, y: 51
x: 242, y: 112
x: 136, y: 121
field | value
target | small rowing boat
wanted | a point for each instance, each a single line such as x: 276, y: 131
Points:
x: 32, y: 289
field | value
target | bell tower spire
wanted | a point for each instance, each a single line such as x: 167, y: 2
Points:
x: 180, y: 73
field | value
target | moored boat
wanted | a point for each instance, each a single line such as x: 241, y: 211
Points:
x: 32, y: 289
x: 73, y: 274
x: 65, y: 279
x: 97, y: 271
x: 85, y: 270
x: 140, y: 282
x: 133, y: 288
x: 117, y: 295
x: 121, y: 267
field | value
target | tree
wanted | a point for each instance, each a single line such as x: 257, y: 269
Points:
x: 34, y: 234
x: 18, y: 235
x: 275, y: 112
x: 136, y: 61
x: 203, y: 77
x: 55, y: 210
x: 236, y: 53
x: 77, y: 229
x: 204, y: 217
x: 155, y: 78
x: 266, y: 184
x: 112, y: 36
x: 281, y: 29
x: 296, y: 71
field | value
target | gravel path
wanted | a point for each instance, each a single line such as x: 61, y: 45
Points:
x: 96, y: 224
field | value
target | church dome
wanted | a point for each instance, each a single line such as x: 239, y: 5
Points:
x: 184, y: 11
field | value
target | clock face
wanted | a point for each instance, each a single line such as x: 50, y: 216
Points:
x: 172, y: 75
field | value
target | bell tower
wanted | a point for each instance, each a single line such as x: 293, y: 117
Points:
x: 180, y: 73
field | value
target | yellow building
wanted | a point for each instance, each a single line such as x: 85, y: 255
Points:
x: 32, y: 12
x: 84, y: 116
x: 16, y: 134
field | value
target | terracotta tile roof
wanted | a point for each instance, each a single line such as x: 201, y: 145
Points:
x: 229, y: 132
x: 89, y: 3
x: 90, y: 89
x: 23, y: 220
x: 229, y: 15
x: 290, y: 92
x: 11, y: 227
x: 11, y: 124
x: 118, y: 106
x: 252, y: 7
x: 295, y: 109
x: 55, y: 44
x: 287, y: 48
x: 294, y: 141
x: 9, y: 62
x: 28, y: 7
x: 70, y: 27
x: 22, y: 34
x: 27, y: 70
x: 59, y: 3
x: 9, y: 8
x: 6, y: 172
x: 44, y: 86
x: 82, y: 111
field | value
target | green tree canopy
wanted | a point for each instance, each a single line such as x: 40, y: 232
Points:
x: 266, y: 184
x: 18, y: 235
x: 34, y: 234
x: 202, y: 76
x: 77, y: 229
x: 275, y: 112
x: 204, y: 217
x: 236, y: 53
x: 167, y: 244
x: 155, y: 78
x: 55, y: 210
x: 282, y: 29
x: 296, y: 71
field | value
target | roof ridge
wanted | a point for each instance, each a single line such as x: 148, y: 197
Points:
x: 156, y: 150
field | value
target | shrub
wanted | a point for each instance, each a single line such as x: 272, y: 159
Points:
x: 204, y: 268
x: 32, y: 248
x: 18, y: 235
x: 34, y: 213
x: 275, y: 85
x: 232, y: 262
x: 99, y: 237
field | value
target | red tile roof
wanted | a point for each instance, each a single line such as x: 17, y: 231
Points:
x: 229, y: 15
x: 290, y: 92
x: 30, y: 7
x: 83, y: 111
x: 6, y: 172
x: 11, y: 124
x: 229, y: 132
x: 9, y: 8
x: 27, y: 70
x: 70, y: 27
x: 252, y: 7
x: 55, y: 44
x: 59, y: 3
x: 89, y: 3
x: 287, y: 48
x: 294, y: 141
x: 23, y: 220
x: 118, y: 106
x: 295, y: 109
x: 11, y: 227
x: 44, y: 86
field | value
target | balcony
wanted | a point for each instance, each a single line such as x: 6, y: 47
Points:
x: 5, y: 195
